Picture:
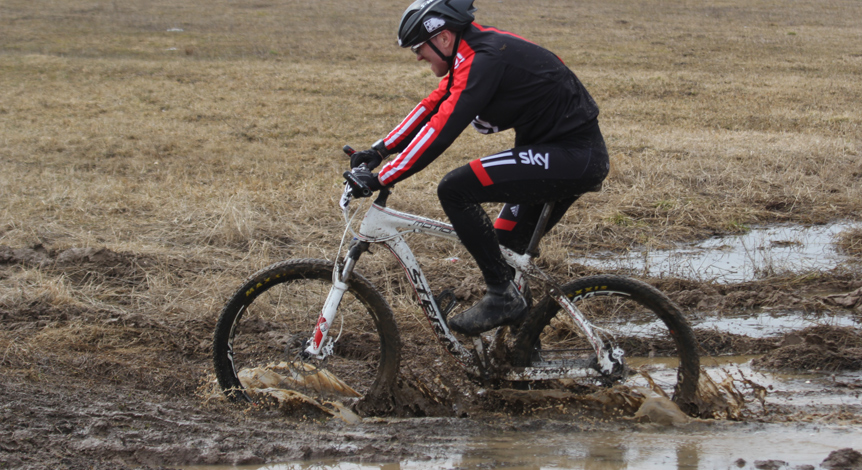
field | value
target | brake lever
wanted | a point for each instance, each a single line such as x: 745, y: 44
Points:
x: 357, y: 188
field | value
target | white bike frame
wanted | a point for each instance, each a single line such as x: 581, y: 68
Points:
x: 382, y: 225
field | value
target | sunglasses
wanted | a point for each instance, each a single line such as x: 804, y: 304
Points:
x: 415, y: 49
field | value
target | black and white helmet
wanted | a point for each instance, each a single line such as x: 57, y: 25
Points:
x: 425, y: 18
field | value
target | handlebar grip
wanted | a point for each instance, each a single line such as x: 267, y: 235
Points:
x: 348, y: 150
x: 358, y: 188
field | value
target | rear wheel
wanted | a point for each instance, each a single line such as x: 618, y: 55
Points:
x: 658, y: 342
x: 267, y: 323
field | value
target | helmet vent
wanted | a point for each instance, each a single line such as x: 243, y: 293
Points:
x: 433, y: 24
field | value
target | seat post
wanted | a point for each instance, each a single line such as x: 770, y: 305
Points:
x: 539, y: 232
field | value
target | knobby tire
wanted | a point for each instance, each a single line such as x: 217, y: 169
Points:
x: 651, y: 329
x: 267, y: 322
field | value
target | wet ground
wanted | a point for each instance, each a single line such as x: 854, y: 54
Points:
x: 759, y: 252
x: 108, y: 388
x: 698, y: 446
x: 788, y: 428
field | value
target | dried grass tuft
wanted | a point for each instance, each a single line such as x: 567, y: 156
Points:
x: 850, y: 242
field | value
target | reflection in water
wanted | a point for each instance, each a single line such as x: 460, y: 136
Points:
x: 697, y: 446
x: 756, y: 325
x: 760, y: 252
x: 687, y: 455
x: 777, y: 323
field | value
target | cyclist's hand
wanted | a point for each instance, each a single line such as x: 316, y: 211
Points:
x: 368, y: 178
x: 371, y: 158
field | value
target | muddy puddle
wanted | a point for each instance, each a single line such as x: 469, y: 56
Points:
x: 704, y: 444
x: 707, y: 448
x: 754, y: 325
x: 771, y: 324
x: 760, y: 252
x: 786, y: 420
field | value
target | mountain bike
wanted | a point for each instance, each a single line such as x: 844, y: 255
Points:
x: 322, y: 329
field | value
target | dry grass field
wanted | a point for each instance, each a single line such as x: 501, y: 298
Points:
x: 154, y: 153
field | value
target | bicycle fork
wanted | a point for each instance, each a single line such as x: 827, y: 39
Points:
x: 318, y: 347
x: 606, y: 356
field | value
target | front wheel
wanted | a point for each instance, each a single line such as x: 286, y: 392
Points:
x: 265, y: 327
x: 658, y: 342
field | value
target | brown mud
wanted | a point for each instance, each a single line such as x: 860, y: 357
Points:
x: 102, y: 386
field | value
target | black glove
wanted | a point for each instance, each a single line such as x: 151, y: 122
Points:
x: 368, y: 178
x: 371, y: 158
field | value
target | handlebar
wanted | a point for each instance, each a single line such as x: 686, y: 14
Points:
x: 359, y: 189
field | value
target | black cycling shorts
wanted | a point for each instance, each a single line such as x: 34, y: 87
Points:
x: 524, y: 178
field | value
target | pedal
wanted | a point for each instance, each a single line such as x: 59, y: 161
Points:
x: 446, y: 302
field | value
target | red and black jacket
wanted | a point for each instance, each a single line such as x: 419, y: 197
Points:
x: 498, y: 81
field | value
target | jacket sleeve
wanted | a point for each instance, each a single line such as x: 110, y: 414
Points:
x: 474, y: 82
x: 398, y: 139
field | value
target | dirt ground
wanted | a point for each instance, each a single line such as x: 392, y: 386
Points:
x: 130, y: 391
x: 153, y: 153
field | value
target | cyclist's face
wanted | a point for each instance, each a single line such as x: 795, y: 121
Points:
x: 444, y: 42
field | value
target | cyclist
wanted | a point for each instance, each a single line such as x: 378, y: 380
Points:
x: 495, y: 80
